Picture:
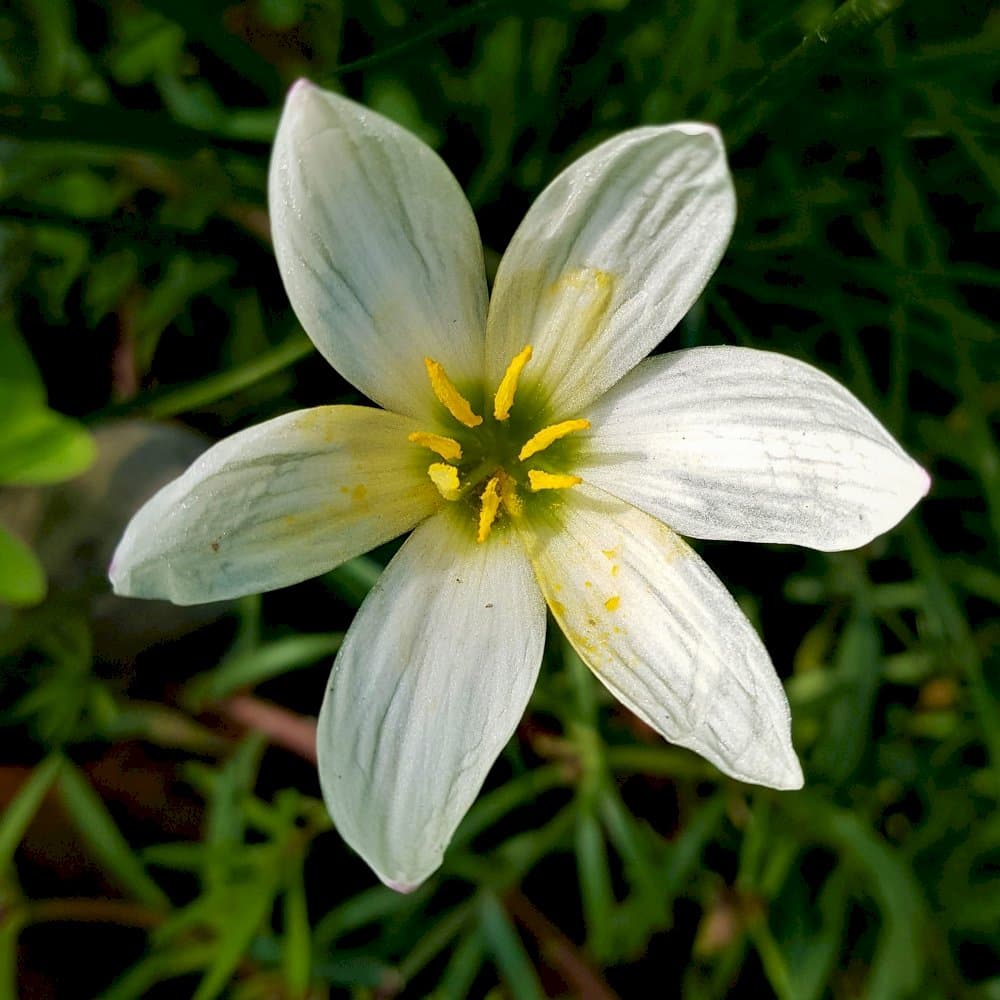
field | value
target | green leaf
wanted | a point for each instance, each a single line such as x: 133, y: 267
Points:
x: 107, y: 281
x: 354, y: 578
x: 203, y: 392
x: 21, y: 386
x: 898, y: 964
x: 41, y: 446
x: 508, y: 952
x: 94, y: 823
x: 296, y: 950
x: 22, y: 578
x: 848, y: 727
x: 595, y: 883
x: 463, y: 967
x: 811, y: 952
x: 224, y: 818
x: 10, y: 933
x: 247, y: 912
x: 850, y: 22
x: 248, y: 668
x: 185, y: 278
x: 140, y: 979
x: 20, y: 811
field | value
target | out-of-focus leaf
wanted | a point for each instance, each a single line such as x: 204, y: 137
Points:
x: 354, y: 578
x: 507, y: 950
x: 812, y: 936
x: 595, y: 883
x: 69, y: 121
x: 41, y: 446
x: 848, y: 724
x: 361, y: 910
x: 22, y: 578
x: 901, y: 951
x: 394, y: 100
x: 184, y: 279
x: 139, y: 980
x: 61, y: 256
x: 10, y: 932
x: 148, y: 45
x: 21, y: 386
x: 247, y: 912
x: 224, y: 819
x: 850, y: 22
x: 463, y: 967
x: 296, y: 953
x: 170, y: 402
x: 19, y: 812
x: 248, y: 668
x: 281, y: 14
x: 107, y: 281
x: 95, y: 825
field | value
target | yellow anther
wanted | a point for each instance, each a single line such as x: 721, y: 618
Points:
x: 451, y: 399
x: 447, y: 448
x: 504, y: 398
x: 488, y: 512
x: 445, y: 478
x: 547, y: 435
x: 539, y: 480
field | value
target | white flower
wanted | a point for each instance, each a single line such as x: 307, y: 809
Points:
x: 538, y: 459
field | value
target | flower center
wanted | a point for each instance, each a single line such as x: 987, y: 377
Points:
x: 497, y: 462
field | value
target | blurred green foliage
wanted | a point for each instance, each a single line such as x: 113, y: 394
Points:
x: 160, y: 834
x: 37, y: 445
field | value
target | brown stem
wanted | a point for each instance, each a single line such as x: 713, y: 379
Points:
x: 283, y: 728
x: 87, y: 910
x: 586, y: 983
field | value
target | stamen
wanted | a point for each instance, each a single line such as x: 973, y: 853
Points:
x: 504, y: 398
x: 488, y: 512
x: 445, y: 478
x: 547, y: 435
x: 451, y: 399
x: 508, y: 496
x: 447, y: 448
x: 539, y: 480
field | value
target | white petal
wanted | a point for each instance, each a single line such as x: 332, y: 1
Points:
x: 378, y: 249
x: 277, y: 503
x: 609, y: 259
x: 433, y: 676
x: 664, y: 636
x: 727, y: 442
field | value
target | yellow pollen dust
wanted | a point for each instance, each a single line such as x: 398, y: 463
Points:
x: 445, y: 478
x: 504, y: 398
x: 508, y: 494
x: 545, y: 437
x: 446, y: 447
x: 539, y: 480
x: 449, y: 397
x: 490, y: 500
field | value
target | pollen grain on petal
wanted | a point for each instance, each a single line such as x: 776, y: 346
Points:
x: 545, y: 437
x: 539, y: 480
x: 504, y: 398
x: 449, y: 397
x: 448, y: 448
x: 445, y: 478
x: 490, y: 500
